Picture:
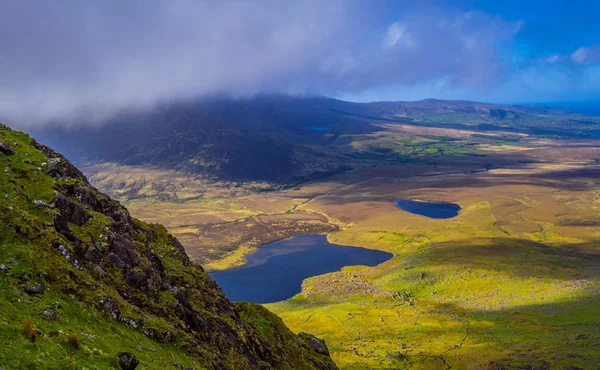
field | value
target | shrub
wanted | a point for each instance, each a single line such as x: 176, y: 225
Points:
x: 73, y: 341
x: 30, y: 330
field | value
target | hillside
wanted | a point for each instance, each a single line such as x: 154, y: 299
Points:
x: 85, y: 285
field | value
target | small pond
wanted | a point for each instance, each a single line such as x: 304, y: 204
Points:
x: 317, y: 128
x: 276, y: 270
x: 428, y: 209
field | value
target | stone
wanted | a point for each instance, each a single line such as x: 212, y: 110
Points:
x: 92, y: 254
x: 115, y: 260
x: 319, y: 346
x: 5, y: 148
x: 70, y: 210
x: 61, y: 225
x: 41, y: 203
x: 315, y: 343
x: 128, y: 361
x: 54, y: 166
x: 35, y: 289
x: 14, y: 261
x: 4, y: 268
x: 112, y: 307
x: 86, y: 196
x: 53, y: 316
x: 98, y: 271
x: 67, y: 254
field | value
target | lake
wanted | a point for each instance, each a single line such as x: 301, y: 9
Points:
x: 428, y: 209
x: 275, y: 271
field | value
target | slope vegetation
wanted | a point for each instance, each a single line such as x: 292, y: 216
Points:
x: 81, y: 282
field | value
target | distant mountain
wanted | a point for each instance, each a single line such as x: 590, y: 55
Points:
x: 280, y: 138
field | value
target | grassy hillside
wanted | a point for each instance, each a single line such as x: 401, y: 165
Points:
x: 513, y: 282
x: 81, y: 281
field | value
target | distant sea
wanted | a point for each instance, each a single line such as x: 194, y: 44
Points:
x: 589, y: 108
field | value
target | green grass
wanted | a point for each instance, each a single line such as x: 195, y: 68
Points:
x: 457, y: 294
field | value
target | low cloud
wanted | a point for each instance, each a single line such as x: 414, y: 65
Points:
x: 83, y: 61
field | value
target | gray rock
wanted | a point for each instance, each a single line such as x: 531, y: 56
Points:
x: 70, y: 210
x: 98, y: 271
x: 112, y: 307
x: 67, y: 254
x: 115, y: 260
x: 35, y: 289
x: 53, y: 316
x: 54, y: 166
x: 318, y: 346
x: 41, y: 203
x: 14, y: 261
x: 4, y: 268
x: 128, y: 361
x: 92, y: 254
x: 131, y: 322
x: 5, y: 148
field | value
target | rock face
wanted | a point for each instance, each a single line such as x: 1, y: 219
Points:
x: 139, y: 275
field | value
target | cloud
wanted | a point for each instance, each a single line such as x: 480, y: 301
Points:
x: 79, y: 60
x: 396, y: 33
x: 552, y: 59
x: 586, y: 54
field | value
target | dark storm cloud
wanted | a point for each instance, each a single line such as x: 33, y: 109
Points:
x: 66, y: 60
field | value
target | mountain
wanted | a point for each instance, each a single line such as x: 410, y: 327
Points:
x: 83, y: 284
x: 282, y: 139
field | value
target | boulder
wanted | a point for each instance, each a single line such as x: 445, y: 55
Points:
x: 5, y: 148
x: 98, y: 272
x: 128, y: 361
x: 53, y: 316
x: 35, y: 289
x: 54, y: 166
x: 61, y: 225
x: 315, y: 343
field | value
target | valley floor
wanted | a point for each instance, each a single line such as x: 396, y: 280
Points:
x: 512, y: 281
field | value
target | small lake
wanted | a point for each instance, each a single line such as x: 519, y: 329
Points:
x: 275, y: 271
x: 428, y: 209
x: 317, y: 128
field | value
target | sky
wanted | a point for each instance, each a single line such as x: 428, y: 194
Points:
x: 86, y: 60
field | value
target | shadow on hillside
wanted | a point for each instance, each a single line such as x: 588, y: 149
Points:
x: 534, y: 336
x: 391, y: 181
x: 515, y: 257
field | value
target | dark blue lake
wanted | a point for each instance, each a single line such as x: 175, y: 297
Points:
x: 275, y: 271
x: 428, y: 209
x: 317, y: 128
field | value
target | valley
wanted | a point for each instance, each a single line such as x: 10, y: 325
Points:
x: 511, y: 281
x: 300, y: 185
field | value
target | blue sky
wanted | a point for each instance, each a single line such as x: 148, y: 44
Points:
x: 553, y: 55
x: 86, y: 60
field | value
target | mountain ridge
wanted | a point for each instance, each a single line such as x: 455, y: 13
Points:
x: 73, y: 252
